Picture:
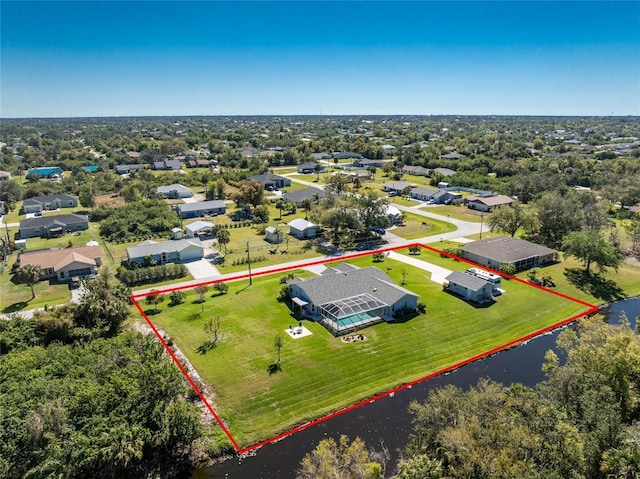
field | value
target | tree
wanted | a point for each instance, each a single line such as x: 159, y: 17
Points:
x: 154, y: 300
x: 510, y: 219
x: 342, y: 460
x: 336, y: 184
x: 177, y: 296
x: 220, y: 187
x: 591, y: 247
x: 29, y: 274
x: 317, y: 168
x: 221, y: 288
x: 10, y: 193
x: 104, y: 305
x: 86, y: 197
x: 222, y: 235
x: 249, y: 193
x: 201, y: 291
x: 278, y: 343
x: 261, y: 214
x: 280, y: 205
x: 213, y: 328
x: 306, y: 206
x: 557, y: 217
x: 373, y: 170
x: 387, y: 168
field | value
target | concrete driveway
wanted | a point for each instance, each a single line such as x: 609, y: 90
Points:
x: 201, y: 269
x: 438, y: 274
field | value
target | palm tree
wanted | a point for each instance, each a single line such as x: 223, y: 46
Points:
x: 280, y: 205
x: 29, y: 274
x: 306, y: 206
x: 223, y: 236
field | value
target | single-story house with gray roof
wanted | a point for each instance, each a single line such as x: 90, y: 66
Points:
x: 396, y: 187
x: 310, y: 167
x: 303, y: 229
x: 174, y: 251
x: 38, y: 204
x: 469, y: 287
x: 345, y: 298
x: 51, y: 226
x: 495, y: 252
x: 415, y: 170
x: 487, y: 203
x: 299, y: 196
x: 202, y: 208
x: 271, y: 181
x: 422, y: 194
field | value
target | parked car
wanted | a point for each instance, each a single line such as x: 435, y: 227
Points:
x: 364, y: 247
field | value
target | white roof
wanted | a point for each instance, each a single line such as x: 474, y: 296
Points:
x: 392, y: 211
x: 93, y: 243
x: 300, y: 224
x: 199, y: 225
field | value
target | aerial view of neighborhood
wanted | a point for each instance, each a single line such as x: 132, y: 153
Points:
x: 264, y: 290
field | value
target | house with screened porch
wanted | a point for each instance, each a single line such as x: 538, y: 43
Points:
x: 345, y: 298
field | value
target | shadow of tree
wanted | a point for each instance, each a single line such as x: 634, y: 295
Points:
x: 594, y: 284
x: 274, y: 368
x: 15, y: 307
x: 208, y: 345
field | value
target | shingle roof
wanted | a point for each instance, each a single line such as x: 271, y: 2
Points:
x: 470, y: 282
x: 150, y: 248
x: 423, y: 191
x: 202, y: 205
x: 59, y: 258
x: 491, y: 200
x: 267, y: 178
x: 48, y: 199
x: 397, y: 185
x: 174, y: 187
x: 344, y: 284
x: 61, y: 220
x: 506, y: 250
x: 303, y: 194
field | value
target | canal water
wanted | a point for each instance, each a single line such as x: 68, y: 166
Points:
x: 388, y: 417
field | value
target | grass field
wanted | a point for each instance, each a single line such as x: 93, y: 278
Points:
x: 320, y: 373
x: 413, y: 227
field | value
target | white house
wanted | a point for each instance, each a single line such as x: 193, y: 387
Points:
x: 469, y: 287
x: 199, y: 227
x: 303, y: 229
x: 175, y: 251
x: 273, y: 234
x: 174, y: 191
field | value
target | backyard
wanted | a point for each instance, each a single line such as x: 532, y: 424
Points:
x: 320, y: 373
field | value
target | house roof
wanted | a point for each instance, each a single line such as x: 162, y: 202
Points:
x: 36, y: 200
x: 48, y: 221
x: 151, y: 248
x: 473, y: 283
x: 453, y: 156
x: 46, y: 170
x: 266, y: 178
x: 444, y: 171
x: 59, y: 258
x: 199, y: 225
x: 416, y: 169
x: 490, y: 201
x: 424, y: 191
x: 506, y: 250
x: 340, y: 285
x: 310, y: 165
x: 165, y: 190
x: 300, y: 224
x: 304, y: 194
x: 397, y: 185
x: 202, y: 205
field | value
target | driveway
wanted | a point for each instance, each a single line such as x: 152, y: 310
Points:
x: 438, y: 274
x: 201, y: 269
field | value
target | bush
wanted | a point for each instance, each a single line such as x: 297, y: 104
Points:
x: 152, y: 274
x: 508, y: 269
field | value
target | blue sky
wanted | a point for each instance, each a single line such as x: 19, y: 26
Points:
x: 299, y: 57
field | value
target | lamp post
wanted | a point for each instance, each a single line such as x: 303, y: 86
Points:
x: 249, y: 264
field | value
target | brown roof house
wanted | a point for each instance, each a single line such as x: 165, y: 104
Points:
x: 65, y: 264
x: 501, y: 250
x: 487, y: 203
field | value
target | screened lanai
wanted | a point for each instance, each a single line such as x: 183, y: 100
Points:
x: 348, y: 314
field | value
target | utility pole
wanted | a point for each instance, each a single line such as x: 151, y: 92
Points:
x: 249, y: 264
x: 481, y: 222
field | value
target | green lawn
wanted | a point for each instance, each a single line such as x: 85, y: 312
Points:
x: 413, y: 227
x: 320, y: 373
x: 16, y: 297
x: 457, y: 212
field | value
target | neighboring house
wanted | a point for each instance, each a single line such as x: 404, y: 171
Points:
x: 193, y: 163
x: 271, y: 181
x: 452, y: 156
x: 51, y: 226
x: 487, y: 203
x: 495, y: 252
x: 310, y: 167
x: 469, y: 287
x: 442, y: 197
x: 126, y: 169
x: 65, y: 264
x: 174, y: 191
x: 367, y: 163
x: 343, y: 155
x: 91, y: 168
x: 273, y: 234
x: 5, y: 175
x: 394, y: 215
x: 46, y: 172
x: 299, y: 196
x: 422, y: 194
x: 198, y: 228
x: 415, y: 170
x: 351, y: 176
x: 321, y: 156
x: 175, y: 251
x: 38, y: 204
x: 250, y: 152
x: 203, y: 208
x: 396, y: 187
x: 444, y: 171
x: 167, y: 165
x: 303, y: 229
x: 346, y: 298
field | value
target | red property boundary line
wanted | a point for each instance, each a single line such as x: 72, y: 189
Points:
x: 134, y: 298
